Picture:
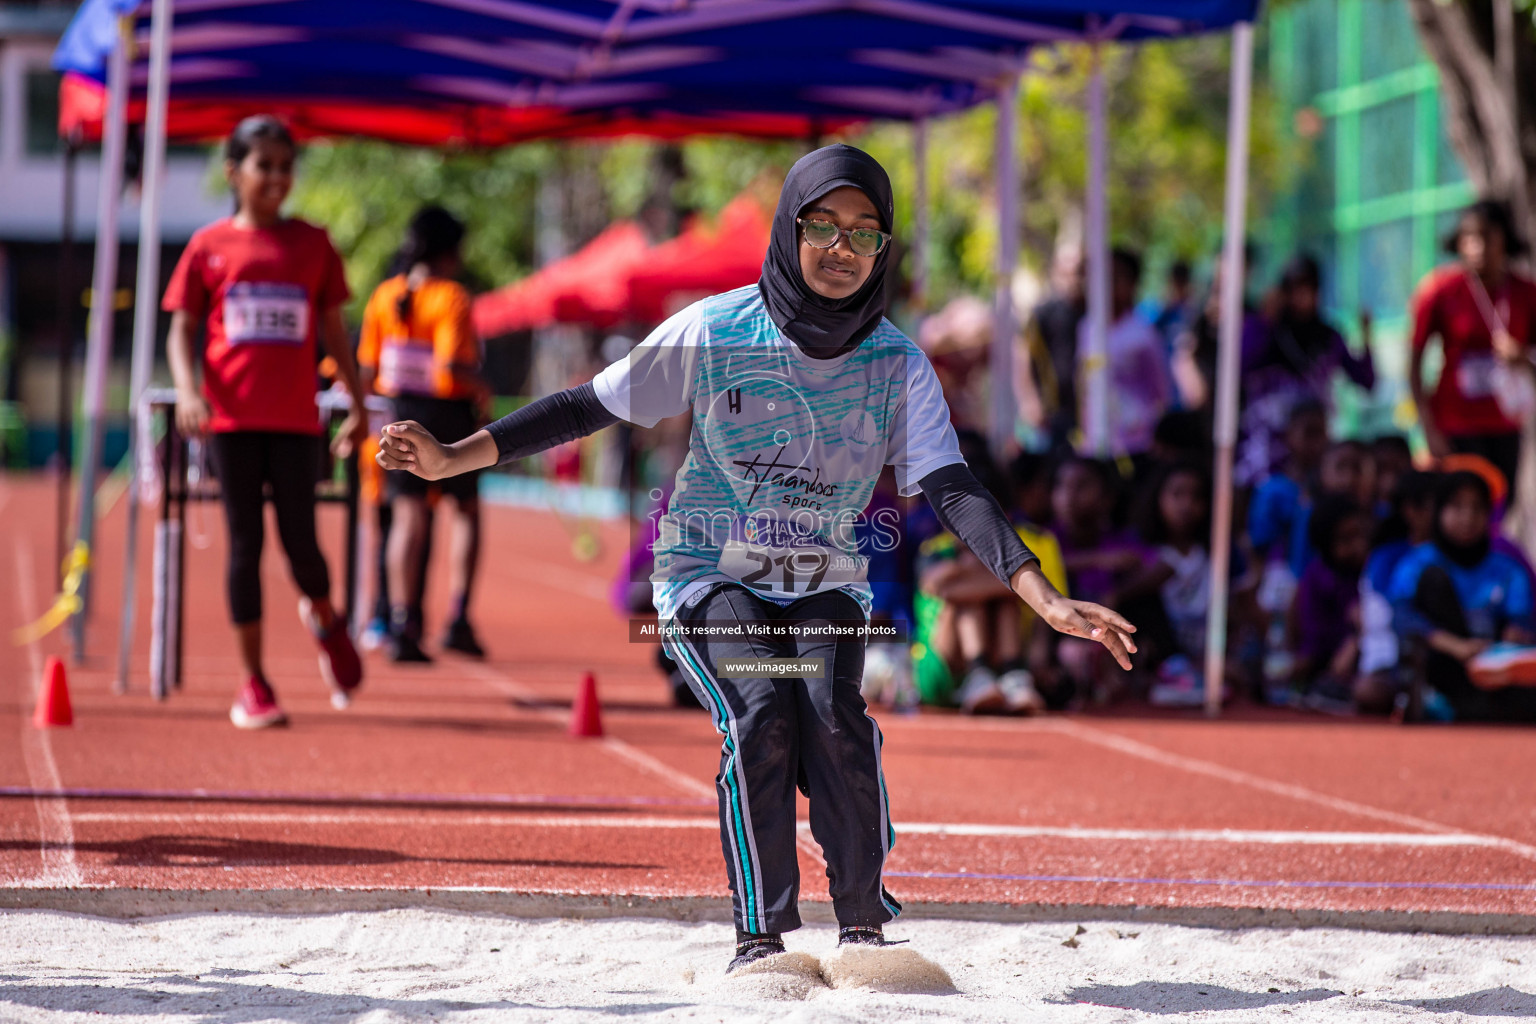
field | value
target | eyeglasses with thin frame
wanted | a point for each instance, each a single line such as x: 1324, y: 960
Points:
x: 823, y: 234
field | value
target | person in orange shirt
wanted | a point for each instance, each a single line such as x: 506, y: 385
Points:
x: 419, y: 348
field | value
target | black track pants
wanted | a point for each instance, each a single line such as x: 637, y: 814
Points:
x: 777, y: 732
x: 247, y: 462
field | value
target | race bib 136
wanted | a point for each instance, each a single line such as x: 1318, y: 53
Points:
x: 266, y: 312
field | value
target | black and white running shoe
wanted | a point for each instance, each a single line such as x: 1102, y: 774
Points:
x: 864, y: 935
x: 751, y: 948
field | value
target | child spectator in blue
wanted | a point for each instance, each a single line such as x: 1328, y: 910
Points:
x: 1325, y: 622
x: 1275, y: 513
x: 1176, y: 525
x: 1456, y: 597
x: 1277, y: 540
x: 1409, y: 522
x: 1392, y: 460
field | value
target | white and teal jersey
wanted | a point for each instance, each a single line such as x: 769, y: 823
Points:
x: 785, y: 450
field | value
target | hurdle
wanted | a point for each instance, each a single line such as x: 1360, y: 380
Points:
x: 337, y: 483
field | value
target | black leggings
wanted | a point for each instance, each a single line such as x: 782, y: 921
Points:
x: 1436, y: 599
x: 778, y: 733
x: 249, y: 461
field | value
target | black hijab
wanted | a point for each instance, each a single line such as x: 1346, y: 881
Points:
x: 824, y: 327
x: 1464, y: 555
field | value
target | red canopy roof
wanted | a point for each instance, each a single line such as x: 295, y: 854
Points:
x: 82, y: 104
x: 560, y: 291
x: 705, y: 259
x: 619, y: 276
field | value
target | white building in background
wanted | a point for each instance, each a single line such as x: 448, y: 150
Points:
x: 32, y: 157
x: 32, y: 189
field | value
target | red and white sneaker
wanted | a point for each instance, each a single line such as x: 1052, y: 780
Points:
x: 1504, y: 665
x: 340, y: 666
x: 256, y: 706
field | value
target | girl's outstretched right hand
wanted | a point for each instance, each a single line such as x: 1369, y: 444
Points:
x: 408, y: 445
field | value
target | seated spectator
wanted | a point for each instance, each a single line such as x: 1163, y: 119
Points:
x: 1393, y: 460
x: 1277, y: 536
x: 1139, y: 389
x: 1409, y: 523
x: 967, y: 624
x: 1458, y: 602
x: 1276, y: 527
x: 1176, y: 524
x: 1100, y: 560
x: 1347, y: 469
x: 883, y: 540
x: 1030, y: 474
x: 1181, y: 436
x: 1325, y: 622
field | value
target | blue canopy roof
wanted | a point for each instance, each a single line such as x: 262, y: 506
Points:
x: 832, y: 59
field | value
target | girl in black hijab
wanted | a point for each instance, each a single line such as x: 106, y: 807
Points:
x: 1469, y: 608
x: 801, y: 393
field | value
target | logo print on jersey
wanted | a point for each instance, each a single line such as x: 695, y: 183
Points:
x: 772, y: 435
x: 858, y: 428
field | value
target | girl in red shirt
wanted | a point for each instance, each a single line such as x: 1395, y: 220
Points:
x: 1484, y: 314
x: 264, y: 287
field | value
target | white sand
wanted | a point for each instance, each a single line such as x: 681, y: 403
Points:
x: 415, y: 965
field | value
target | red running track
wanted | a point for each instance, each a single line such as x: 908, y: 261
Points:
x: 461, y: 774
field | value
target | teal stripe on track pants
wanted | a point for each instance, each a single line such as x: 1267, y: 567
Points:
x: 777, y: 732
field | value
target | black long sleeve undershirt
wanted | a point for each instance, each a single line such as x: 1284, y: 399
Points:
x: 554, y: 419
x: 969, y: 511
x: 964, y: 507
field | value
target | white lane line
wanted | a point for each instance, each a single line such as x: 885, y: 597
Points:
x: 1231, y: 837
x: 56, y: 836
x: 561, y: 577
x: 638, y: 758
x: 1211, y: 769
x: 631, y: 821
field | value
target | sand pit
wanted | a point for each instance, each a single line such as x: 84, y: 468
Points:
x: 413, y: 964
x: 898, y: 969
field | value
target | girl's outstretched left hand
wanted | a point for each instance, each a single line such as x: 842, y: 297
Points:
x: 1076, y: 618
x: 1092, y: 622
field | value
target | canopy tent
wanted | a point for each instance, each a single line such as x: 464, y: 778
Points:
x: 573, y: 66
x: 708, y: 257
x: 639, y: 62
x: 620, y: 276
x: 552, y: 294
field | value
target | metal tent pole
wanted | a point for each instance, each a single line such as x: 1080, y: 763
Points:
x: 1096, y: 362
x: 68, y: 298
x: 1229, y: 342
x: 98, y: 352
x: 146, y: 294
x: 1004, y: 328
x: 920, y: 214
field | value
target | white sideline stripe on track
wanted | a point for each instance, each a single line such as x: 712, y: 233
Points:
x: 639, y: 758
x: 1235, y: 837
x: 1157, y: 755
x: 562, y: 577
x: 56, y: 836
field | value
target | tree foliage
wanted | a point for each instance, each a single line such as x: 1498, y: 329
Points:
x: 1490, y: 118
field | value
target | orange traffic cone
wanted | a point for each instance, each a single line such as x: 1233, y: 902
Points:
x: 587, y: 712
x: 53, y: 698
